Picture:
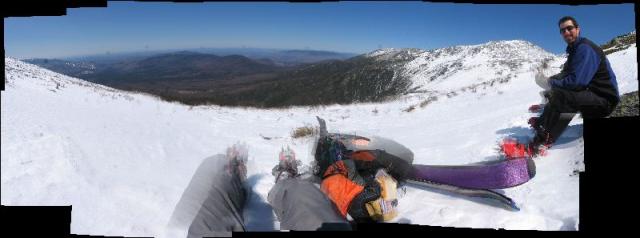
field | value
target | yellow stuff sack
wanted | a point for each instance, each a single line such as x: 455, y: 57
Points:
x: 384, y: 208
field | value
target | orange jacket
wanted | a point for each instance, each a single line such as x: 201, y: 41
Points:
x: 339, y: 188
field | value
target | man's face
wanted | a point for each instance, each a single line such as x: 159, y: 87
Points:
x: 569, y: 31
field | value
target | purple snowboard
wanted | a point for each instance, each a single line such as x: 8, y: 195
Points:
x: 492, y: 175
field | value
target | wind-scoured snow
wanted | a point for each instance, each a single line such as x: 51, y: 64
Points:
x: 122, y: 160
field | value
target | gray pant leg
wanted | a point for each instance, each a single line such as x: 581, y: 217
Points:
x: 300, y: 205
x: 212, y: 203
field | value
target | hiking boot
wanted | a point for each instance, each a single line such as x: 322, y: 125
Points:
x: 533, y: 122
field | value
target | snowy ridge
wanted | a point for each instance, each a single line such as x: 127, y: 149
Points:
x: 394, y: 53
x: 620, y: 42
x: 446, y: 70
x: 123, y: 159
x: 21, y: 74
x: 467, y: 68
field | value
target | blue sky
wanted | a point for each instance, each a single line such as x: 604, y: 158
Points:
x: 356, y: 27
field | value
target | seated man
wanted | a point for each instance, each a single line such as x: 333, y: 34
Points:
x: 587, y: 84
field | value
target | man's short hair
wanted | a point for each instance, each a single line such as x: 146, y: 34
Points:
x: 568, y: 18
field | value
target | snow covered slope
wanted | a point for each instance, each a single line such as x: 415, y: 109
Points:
x: 123, y: 160
x: 449, y: 71
x: 625, y: 66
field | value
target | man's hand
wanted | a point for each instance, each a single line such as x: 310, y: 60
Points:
x: 542, y: 81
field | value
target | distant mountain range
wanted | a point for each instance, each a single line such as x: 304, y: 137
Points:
x: 181, y: 66
x: 283, y: 57
x: 86, y: 65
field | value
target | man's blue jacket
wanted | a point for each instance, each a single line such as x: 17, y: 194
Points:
x: 587, y: 68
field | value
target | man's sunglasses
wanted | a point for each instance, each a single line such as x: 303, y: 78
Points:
x: 569, y: 28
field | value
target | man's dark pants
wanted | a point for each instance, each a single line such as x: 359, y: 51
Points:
x: 562, y: 107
